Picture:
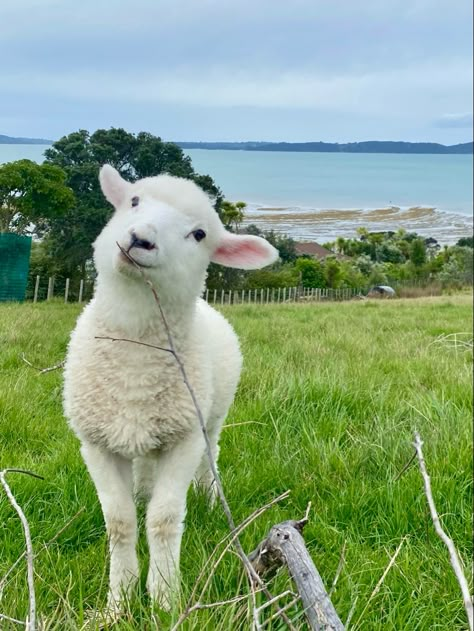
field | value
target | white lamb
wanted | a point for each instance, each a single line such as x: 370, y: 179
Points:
x: 127, y: 402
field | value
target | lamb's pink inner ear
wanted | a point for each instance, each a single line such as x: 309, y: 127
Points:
x: 244, y: 252
x: 113, y: 186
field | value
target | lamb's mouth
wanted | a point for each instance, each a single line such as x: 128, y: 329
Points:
x: 128, y: 258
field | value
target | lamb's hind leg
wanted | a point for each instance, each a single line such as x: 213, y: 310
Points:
x: 112, y: 476
x: 175, y: 470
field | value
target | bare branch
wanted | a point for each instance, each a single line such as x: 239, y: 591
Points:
x: 448, y: 542
x: 42, y: 371
x: 231, y: 537
x: 405, y: 467
x: 284, y: 545
x: 31, y: 620
x: 251, y: 573
x: 123, y: 339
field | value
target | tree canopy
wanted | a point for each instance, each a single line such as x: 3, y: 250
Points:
x: 32, y: 196
x: 81, y: 154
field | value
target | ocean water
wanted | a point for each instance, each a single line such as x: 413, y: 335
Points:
x: 318, y: 196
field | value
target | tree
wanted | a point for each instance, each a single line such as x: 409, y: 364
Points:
x: 467, y: 242
x: 31, y: 196
x: 81, y: 154
x: 311, y: 272
x: 332, y: 272
x: 418, y: 252
x: 232, y: 214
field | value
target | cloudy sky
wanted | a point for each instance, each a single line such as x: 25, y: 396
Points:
x: 293, y: 70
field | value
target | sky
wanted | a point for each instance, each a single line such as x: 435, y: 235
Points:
x: 233, y: 70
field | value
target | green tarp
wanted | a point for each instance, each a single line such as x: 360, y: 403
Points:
x: 14, y: 265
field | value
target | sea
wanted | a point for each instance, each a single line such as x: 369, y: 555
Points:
x: 320, y: 196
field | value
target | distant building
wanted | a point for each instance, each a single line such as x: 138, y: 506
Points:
x: 316, y: 251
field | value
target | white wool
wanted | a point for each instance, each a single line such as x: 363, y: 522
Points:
x: 127, y: 402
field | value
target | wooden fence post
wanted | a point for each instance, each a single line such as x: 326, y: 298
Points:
x: 81, y: 290
x: 222, y: 297
x: 279, y: 294
x: 215, y: 297
x: 37, y: 282
x: 49, y: 295
x: 207, y: 295
x: 66, y: 290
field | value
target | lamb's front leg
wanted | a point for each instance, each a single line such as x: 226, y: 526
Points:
x: 165, y: 515
x: 112, y: 476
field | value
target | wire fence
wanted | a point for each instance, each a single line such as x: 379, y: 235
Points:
x: 46, y: 288
x: 41, y: 288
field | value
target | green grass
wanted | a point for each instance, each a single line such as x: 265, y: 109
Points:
x: 334, y: 393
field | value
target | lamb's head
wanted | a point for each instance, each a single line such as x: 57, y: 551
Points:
x: 170, y: 229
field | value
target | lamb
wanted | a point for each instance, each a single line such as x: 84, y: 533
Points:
x: 127, y: 402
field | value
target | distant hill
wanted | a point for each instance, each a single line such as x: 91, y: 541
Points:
x: 371, y: 146
x: 9, y: 140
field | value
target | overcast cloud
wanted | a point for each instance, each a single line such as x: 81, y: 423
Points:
x: 291, y: 70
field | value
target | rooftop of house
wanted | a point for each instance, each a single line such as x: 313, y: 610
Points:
x: 311, y: 248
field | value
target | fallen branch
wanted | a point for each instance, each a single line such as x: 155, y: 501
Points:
x: 31, y: 619
x: 42, y: 371
x: 251, y: 573
x: 284, y: 545
x: 448, y: 542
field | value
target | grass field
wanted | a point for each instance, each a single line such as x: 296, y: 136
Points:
x: 327, y: 406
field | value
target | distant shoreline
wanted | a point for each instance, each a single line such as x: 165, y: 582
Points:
x: 371, y: 146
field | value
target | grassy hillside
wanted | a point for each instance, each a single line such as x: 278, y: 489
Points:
x: 327, y: 406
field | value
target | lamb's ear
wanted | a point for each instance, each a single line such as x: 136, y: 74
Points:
x: 244, y: 251
x: 114, y: 187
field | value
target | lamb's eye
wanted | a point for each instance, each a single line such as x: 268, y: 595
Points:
x: 135, y: 201
x: 199, y: 234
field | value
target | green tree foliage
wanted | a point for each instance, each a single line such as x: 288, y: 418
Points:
x: 32, y: 196
x: 311, y: 272
x: 333, y: 272
x: 232, y: 214
x: 467, y: 242
x: 418, y: 252
x: 80, y: 155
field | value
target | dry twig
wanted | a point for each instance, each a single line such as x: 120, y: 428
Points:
x: 31, y: 619
x: 253, y: 577
x: 448, y: 542
x: 230, y: 537
x: 42, y: 371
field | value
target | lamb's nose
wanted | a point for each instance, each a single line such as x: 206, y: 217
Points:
x: 140, y: 243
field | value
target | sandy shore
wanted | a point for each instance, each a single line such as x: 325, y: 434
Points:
x: 327, y: 224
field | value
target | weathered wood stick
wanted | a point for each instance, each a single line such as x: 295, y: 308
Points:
x: 285, y: 545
